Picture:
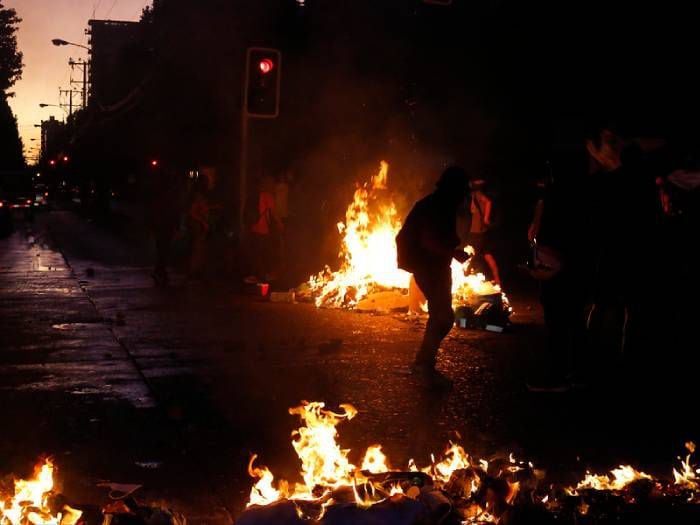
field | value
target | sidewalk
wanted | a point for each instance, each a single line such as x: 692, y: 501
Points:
x: 70, y: 389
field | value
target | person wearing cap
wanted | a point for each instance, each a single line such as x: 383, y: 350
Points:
x: 426, y: 245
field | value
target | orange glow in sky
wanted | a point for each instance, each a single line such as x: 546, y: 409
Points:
x: 46, y: 66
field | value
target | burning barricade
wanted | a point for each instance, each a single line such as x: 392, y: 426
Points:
x: 369, y: 277
x: 455, y: 489
x: 36, y: 501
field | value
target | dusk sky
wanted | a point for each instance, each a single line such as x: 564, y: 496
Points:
x: 46, y: 66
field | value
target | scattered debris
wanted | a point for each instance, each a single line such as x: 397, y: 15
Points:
x: 282, y: 297
x: 455, y: 490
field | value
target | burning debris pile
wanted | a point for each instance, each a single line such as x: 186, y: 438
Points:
x: 455, y: 489
x: 36, y: 502
x: 368, y: 257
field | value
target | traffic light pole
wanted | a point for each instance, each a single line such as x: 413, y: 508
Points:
x: 243, y: 185
x: 243, y: 182
x: 246, y: 115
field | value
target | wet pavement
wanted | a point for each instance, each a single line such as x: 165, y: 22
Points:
x: 175, y: 387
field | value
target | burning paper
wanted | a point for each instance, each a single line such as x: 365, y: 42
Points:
x: 30, y: 502
x: 456, y: 488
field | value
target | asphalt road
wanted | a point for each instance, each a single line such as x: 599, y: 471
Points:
x: 175, y: 387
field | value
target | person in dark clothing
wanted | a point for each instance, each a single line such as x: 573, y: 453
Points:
x: 165, y: 215
x: 558, y: 231
x: 623, y: 204
x: 426, y: 245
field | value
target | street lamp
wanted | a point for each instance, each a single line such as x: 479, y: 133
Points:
x: 60, y: 42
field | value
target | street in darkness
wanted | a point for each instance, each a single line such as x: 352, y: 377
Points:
x: 295, y: 262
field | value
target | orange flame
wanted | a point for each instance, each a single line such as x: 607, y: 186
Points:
x: 621, y: 477
x: 368, y: 253
x: 326, y: 467
x: 29, y: 503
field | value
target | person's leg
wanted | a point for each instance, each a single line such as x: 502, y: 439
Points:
x: 437, y: 288
x: 549, y: 369
x: 493, y: 266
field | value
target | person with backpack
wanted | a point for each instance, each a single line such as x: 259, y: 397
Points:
x: 482, y: 224
x: 426, y: 245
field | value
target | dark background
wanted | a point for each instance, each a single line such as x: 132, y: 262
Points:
x: 497, y: 86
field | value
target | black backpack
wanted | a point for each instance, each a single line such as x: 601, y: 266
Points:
x: 408, y: 245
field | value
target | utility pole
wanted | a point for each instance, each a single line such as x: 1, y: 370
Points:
x: 84, y: 66
x: 69, y: 93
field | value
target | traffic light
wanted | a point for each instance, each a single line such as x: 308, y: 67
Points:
x: 263, y: 76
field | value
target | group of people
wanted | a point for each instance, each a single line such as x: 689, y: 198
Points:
x: 597, y: 237
x: 179, y: 207
x: 189, y: 209
x: 591, y: 236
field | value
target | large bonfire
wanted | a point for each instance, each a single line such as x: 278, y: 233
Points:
x: 368, y: 253
x: 454, y: 489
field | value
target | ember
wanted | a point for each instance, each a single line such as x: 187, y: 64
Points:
x: 368, y: 255
x: 456, y: 489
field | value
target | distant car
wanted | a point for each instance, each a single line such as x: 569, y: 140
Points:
x: 17, y: 192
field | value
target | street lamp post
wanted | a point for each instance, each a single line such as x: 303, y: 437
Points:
x: 60, y: 42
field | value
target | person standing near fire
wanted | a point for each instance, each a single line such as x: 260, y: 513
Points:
x: 264, y: 234
x: 198, y: 223
x: 480, y: 231
x: 426, y: 245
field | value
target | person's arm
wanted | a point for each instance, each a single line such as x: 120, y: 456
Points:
x: 486, y: 205
x: 534, y: 228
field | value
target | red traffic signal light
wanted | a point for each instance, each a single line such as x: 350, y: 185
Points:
x: 66, y: 158
x: 52, y: 162
x: 263, y: 76
x: 266, y: 66
x: 154, y: 163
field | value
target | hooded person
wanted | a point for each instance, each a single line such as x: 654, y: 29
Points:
x: 426, y: 245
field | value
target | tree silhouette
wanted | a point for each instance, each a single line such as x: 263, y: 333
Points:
x: 10, y: 56
x: 11, y: 156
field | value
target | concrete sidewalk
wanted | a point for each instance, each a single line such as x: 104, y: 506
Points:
x: 70, y: 389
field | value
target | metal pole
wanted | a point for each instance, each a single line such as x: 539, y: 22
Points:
x: 70, y: 102
x: 243, y: 182
x: 243, y: 189
x: 85, y: 66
